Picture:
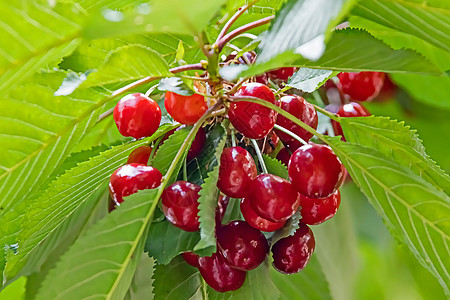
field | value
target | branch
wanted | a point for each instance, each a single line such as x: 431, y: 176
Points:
x: 233, y: 19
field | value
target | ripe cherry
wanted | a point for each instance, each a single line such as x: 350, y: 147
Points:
x: 273, y: 198
x: 137, y: 116
x: 185, y: 109
x: 237, y: 171
x: 256, y: 221
x: 130, y: 178
x: 219, y: 275
x: 221, y: 208
x: 301, y: 109
x: 315, y: 211
x: 253, y: 120
x: 362, y: 86
x: 352, y: 109
x: 315, y: 171
x: 281, y: 74
x: 191, y: 258
x: 140, y: 155
x: 292, y: 253
x: 242, y: 246
x: 180, y: 205
x: 388, y: 90
x: 284, y: 155
x: 262, y: 79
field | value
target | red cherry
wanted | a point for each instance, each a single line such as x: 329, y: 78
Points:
x: 180, y: 206
x: 333, y: 93
x: 302, y: 110
x: 284, y: 155
x: 137, y: 115
x: 185, y: 109
x: 292, y: 253
x: 362, y: 86
x: 221, y: 208
x: 219, y: 275
x: 262, y: 79
x: 242, y: 246
x: 315, y: 211
x: 273, y: 198
x: 130, y: 178
x: 140, y: 155
x: 191, y: 258
x: 352, y: 109
x: 315, y: 171
x: 281, y: 74
x: 388, y: 90
x: 236, y: 172
x: 253, y: 120
x: 254, y: 220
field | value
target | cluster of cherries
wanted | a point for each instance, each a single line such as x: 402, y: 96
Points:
x: 267, y: 201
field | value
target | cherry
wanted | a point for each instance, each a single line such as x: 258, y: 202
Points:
x: 302, y: 110
x: 315, y: 211
x: 362, y: 86
x: 253, y: 120
x: 180, y: 206
x: 388, y: 90
x: 236, y: 172
x: 262, y: 79
x: 185, y: 109
x: 292, y: 253
x: 332, y: 92
x: 137, y: 116
x: 315, y: 171
x: 352, y: 109
x: 191, y: 258
x: 221, y: 208
x: 130, y: 178
x: 273, y: 198
x: 242, y: 246
x: 140, y: 155
x: 284, y: 155
x: 219, y: 275
x: 281, y: 74
x: 254, y: 220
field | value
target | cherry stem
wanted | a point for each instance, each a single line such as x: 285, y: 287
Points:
x: 280, y: 128
x: 233, y: 19
x: 238, y: 85
x: 260, y: 157
x: 326, y: 113
x: 185, y: 177
x: 233, y: 138
x: 286, y: 88
x: 221, y: 43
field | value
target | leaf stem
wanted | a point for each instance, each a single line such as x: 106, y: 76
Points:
x: 233, y: 19
x: 198, y: 66
x: 233, y: 138
x: 260, y: 157
x: 326, y: 113
x: 280, y: 128
x: 286, y: 88
x: 185, y: 177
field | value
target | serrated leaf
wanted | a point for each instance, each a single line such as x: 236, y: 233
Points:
x: 276, y: 167
x: 207, y: 206
x: 309, y: 80
x: 77, y: 274
x: 142, y: 285
x: 175, y: 85
x: 399, y: 143
x: 288, y: 229
x: 64, y: 196
x: 165, y: 241
x: 416, y: 211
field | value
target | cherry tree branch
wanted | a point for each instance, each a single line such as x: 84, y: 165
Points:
x: 233, y: 19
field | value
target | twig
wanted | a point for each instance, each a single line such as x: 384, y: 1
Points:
x: 233, y: 19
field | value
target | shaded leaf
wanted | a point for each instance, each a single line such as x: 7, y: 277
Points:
x: 308, y: 80
x: 276, y: 167
x: 142, y: 285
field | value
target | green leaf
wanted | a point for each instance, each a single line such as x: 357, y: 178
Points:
x: 165, y: 241
x: 425, y: 20
x: 65, y: 195
x: 129, y: 63
x: 86, y: 270
x: 175, y: 85
x: 275, y: 167
x: 177, y: 281
x: 416, y: 211
x: 233, y: 211
x: 399, y: 143
x: 207, y: 205
x: 142, y: 285
x: 289, y: 228
x: 309, y: 80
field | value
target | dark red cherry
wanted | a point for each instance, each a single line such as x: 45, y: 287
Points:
x: 191, y: 258
x: 262, y: 79
x: 315, y: 211
x: 352, y: 109
x: 221, y: 208
x: 315, y: 171
x: 273, y: 198
x: 253, y: 120
x: 236, y: 172
x: 130, y: 178
x: 185, y: 109
x: 281, y: 74
x: 219, y: 275
x: 254, y: 220
x: 302, y: 110
x: 388, y: 90
x: 362, y: 86
x: 180, y: 205
x: 140, y: 155
x: 284, y: 155
x: 292, y: 253
x: 242, y: 246
x: 137, y: 116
